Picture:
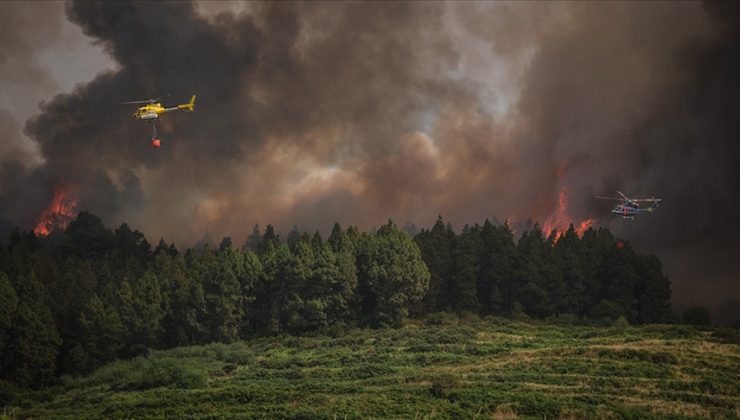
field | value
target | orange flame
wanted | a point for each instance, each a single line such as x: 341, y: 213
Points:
x: 559, y: 221
x: 583, y: 226
x: 60, y: 212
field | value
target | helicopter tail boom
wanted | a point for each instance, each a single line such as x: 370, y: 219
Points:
x: 190, y: 106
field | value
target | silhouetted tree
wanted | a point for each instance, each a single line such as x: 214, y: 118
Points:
x: 697, y: 315
x: 463, y: 287
x: 541, y: 288
x: 570, y: 256
x: 225, y: 244
x: 437, y: 248
x: 254, y: 240
x: 87, y: 237
x: 293, y: 236
x: 653, y: 291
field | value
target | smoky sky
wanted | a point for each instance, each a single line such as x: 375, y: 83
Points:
x: 310, y: 113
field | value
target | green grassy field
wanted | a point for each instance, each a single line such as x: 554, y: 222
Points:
x: 443, y: 367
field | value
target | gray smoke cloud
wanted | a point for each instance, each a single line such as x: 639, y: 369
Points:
x: 311, y: 113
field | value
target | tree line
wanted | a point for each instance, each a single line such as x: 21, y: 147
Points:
x: 74, y: 301
x: 597, y: 276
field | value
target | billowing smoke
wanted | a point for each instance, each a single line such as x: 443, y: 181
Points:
x: 310, y: 113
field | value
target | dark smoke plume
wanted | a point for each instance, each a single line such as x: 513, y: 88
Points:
x: 310, y: 113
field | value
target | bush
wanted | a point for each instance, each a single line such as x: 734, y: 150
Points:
x: 468, y: 316
x: 564, y: 319
x: 370, y: 370
x: 697, y: 315
x: 621, y: 323
x: 606, y: 312
x: 441, y: 318
x: 442, y: 385
x: 679, y: 332
x: 228, y: 368
x: 727, y: 335
x: 142, y: 373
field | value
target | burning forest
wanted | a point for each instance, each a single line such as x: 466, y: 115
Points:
x: 60, y: 212
x: 276, y: 249
x: 311, y: 113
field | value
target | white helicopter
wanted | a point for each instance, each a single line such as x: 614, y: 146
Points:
x: 630, y: 207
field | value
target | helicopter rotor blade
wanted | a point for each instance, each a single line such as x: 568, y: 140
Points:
x: 647, y: 200
x: 159, y: 98
x: 608, y: 198
x: 146, y: 101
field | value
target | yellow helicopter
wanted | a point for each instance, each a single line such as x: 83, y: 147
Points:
x: 153, y: 109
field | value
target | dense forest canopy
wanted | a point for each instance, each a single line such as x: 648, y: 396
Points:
x: 76, y: 300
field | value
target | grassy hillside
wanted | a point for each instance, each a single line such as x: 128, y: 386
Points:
x: 439, y: 368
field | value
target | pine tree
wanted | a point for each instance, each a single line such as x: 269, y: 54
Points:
x: 618, y: 277
x: 132, y: 243
x: 316, y: 241
x: 249, y: 273
x: 222, y: 292
x: 254, y: 241
x: 463, y: 288
x: 138, y: 303
x: 273, y: 292
x: 345, y: 298
x: 88, y: 238
x: 183, y: 299
x: 30, y: 357
x: 270, y: 240
x: 147, y: 299
x: 543, y: 291
x: 593, y: 249
x: 101, y: 336
x: 653, y: 291
x: 300, y: 310
x: 8, y: 307
x: 437, y: 247
x: 336, y: 237
x: 161, y: 247
x: 79, y: 285
x: 225, y: 244
x: 394, y: 274
x: 495, y: 282
x: 570, y: 256
x: 293, y: 236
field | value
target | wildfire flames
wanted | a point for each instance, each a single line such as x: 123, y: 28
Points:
x: 559, y: 222
x: 60, y: 212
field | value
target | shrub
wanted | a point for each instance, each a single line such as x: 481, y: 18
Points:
x: 563, y: 319
x: 441, y: 318
x: 621, y: 324
x: 229, y: 367
x: 442, y: 385
x: 606, y: 312
x: 697, y: 315
x: 370, y: 370
x: 468, y: 316
x: 142, y: 373
x: 674, y: 332
x: 727, y: 335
